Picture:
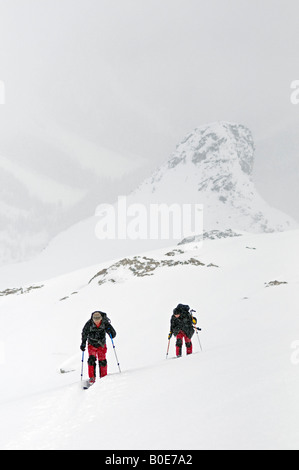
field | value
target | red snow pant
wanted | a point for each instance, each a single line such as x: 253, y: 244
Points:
x: 94, y: 354
x: 179, y: 343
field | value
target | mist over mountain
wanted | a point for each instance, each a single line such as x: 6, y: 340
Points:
x: 51, y: 182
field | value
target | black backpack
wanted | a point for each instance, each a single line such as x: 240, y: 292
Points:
x: 181, y: 308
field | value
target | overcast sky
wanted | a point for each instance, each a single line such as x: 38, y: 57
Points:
x: 116, y: 84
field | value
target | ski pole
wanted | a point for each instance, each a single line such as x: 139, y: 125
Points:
x: 114, y: 352
x: 82, y: 366
x: 168, y: 348
x: 169, y: 338
x: 197, y: 330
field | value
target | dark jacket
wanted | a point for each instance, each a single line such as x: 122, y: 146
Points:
x: 96, y: 336
x: 183, y: 322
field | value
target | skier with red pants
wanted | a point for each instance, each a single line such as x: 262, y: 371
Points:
x: 94, y: 331
x: 181, y: 326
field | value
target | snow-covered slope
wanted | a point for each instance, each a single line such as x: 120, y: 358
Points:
x: 240, y: 392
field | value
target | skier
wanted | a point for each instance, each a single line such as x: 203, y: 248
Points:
x: 95, y: 332
x: 181, y: 326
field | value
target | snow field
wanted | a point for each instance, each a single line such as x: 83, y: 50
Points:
x: 239, y: 393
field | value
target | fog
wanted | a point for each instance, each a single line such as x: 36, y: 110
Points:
x: 99, y: 92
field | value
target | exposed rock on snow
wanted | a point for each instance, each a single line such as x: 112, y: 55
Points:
x: 274, y: 283
x: 19, y: 290
x: 211, y: 235
x: 139, y: 266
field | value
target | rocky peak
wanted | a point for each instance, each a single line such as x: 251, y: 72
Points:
x: 216, y: 143
x: 213, y: 166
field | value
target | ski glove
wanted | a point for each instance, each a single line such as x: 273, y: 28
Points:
x: 194, y: 320
x: 170, y: 335
x: 83, y: 347
x: 111, y: 331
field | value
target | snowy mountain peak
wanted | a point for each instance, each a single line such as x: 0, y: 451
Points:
x: 213, y: 166
x: 221, y: 155
x: 217, y: 143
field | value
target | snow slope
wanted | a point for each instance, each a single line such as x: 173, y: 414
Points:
x: 241, y: 392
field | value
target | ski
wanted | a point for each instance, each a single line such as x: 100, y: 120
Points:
x: 86, y: 384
